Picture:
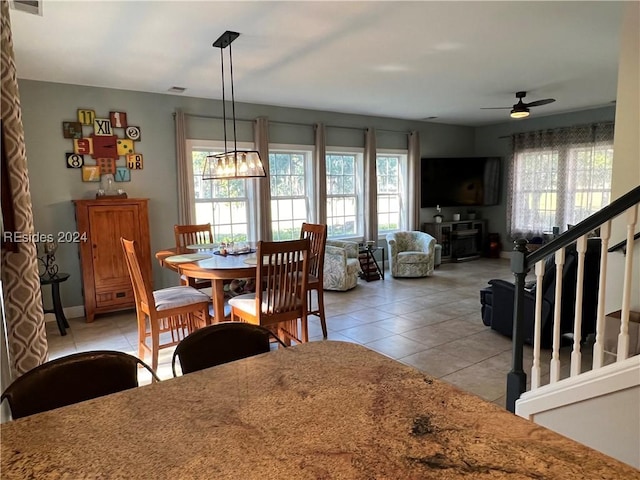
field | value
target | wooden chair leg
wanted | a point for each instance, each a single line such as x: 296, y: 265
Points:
x: 142, y: 334
x: 323, y: 321
x: 155, y: 344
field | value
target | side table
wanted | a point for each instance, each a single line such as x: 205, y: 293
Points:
x: 55, y: 282
x: 370, y: 268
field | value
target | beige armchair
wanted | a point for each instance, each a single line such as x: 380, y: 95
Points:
x: 411, y: 254
x: 341, y: 265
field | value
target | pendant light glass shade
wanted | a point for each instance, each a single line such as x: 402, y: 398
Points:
x: 235, y: 164
x: 232, y: 163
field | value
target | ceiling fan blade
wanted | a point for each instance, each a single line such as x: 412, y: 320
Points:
x: 537, y: 103
x: 495, y: 108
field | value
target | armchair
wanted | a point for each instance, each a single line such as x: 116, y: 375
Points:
x: 411, y: 254
x: 497, y: 299
x: 341, y: 265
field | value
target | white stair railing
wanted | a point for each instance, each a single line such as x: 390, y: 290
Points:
x: 622, y: 352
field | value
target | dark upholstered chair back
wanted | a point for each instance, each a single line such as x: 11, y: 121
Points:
x: 498, y: 299
x: 221, y: 343
x: 72, y: 379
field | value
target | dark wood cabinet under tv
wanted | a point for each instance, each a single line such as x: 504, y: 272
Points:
x: 461, y: 240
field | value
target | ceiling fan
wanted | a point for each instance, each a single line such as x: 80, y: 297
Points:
x: 521, y: 109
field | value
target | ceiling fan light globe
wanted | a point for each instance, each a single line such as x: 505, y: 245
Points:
x: 520, y: 113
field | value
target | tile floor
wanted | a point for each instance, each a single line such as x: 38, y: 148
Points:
x: 432, y: 324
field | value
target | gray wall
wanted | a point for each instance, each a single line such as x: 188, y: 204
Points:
x: 489, y: 141
x: 53, y: 186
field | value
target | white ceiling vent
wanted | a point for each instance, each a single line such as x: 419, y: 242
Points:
x: 30, y: 6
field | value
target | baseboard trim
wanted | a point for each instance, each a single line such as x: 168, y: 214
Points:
x: 69, y: 312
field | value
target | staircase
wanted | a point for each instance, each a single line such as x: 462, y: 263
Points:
x: 592, y: 395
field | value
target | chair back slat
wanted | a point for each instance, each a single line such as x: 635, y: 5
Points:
x: 192, y: 235
x: 142, y: 288
x: 317, y: 235
x: 284, y: 272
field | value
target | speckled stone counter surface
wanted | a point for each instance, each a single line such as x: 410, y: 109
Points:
x: 323, y: 410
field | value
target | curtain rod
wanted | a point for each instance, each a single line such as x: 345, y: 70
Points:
x: 293, y: 124
x: 561, y: 128
x: 213, y: 117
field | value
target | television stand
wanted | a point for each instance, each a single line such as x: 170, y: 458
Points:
x: 461, y: 240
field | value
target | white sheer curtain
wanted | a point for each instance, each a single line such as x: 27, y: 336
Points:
x: 413, y: 194
x: 558, y: 177
x: 319, y: 158
x: 185, y: 185
x: 261, y: 139
x: 370, y: 187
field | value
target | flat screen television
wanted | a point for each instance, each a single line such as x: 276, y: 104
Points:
x: 460, y: 181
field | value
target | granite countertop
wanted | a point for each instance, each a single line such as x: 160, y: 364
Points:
x: 322, y: 410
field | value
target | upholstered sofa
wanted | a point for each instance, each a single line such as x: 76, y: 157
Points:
x: 341, y: 265
x: 411, y: 254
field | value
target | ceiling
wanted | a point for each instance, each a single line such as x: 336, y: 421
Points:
x: 410, y: 60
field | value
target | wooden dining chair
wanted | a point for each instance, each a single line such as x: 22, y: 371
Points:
x: 283, y: 269
x: 221, y: 343
x: 72, y: 379
x: 172, y: 312
x: 193, y: 235
x: 317, y: 235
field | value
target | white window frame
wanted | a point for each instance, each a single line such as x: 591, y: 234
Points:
x: 359, y: 193
x: 562, y: 207
x: 250, y: 186
x: 309, y: 176
x: 403, y: 187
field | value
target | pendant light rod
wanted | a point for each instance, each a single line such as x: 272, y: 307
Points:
x: 233, y: 104
x: 234, y: 163
x: 223, y: 42
x: 224, y: 103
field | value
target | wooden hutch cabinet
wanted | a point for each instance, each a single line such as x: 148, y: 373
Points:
x: 105, y: 278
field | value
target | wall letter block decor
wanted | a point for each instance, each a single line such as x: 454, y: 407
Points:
x: 102, y: 145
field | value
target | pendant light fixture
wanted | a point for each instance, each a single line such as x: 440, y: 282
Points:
x: 231, y: 163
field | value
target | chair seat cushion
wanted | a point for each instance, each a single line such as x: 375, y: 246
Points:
x: 413, y: 257
x: 180, y: 296
x: 247, y: 303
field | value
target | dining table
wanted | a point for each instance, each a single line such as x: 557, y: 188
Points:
x: 209, y: 264
x: 319, y: 410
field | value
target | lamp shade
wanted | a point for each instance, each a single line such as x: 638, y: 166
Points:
x: 233, y: 164
x: 519, y: 113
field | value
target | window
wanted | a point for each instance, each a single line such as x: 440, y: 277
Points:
x: 559, y: 178
x: 227, y: 204
x: 291, y: 190
x: 391, y: 168
x: 344, y: 194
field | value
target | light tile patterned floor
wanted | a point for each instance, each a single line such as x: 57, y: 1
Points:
x: 432, y: 324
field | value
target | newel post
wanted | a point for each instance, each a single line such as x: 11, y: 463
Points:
x: 517, y: 379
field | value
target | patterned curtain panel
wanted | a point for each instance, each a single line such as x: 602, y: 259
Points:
x: 558, y: 178
x: 20, y: 281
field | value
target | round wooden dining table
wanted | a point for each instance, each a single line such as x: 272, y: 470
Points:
x: 214, y: 267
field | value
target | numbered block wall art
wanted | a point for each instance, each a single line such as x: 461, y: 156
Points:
x: 103, y: 143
